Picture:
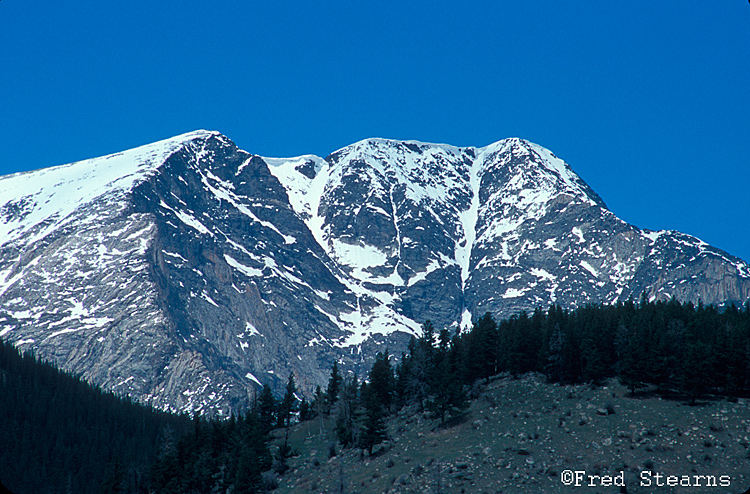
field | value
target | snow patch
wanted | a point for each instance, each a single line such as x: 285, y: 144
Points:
x: 359, y: 257
x: 588, y: 267
x: 465, y: 323
x: 246, y: 270
x: 250, y: 376
x: 208, y: 299
x: 651, y: 235
x: 192, y: 222
x: 541, y: 273
x: 513, y: 293
x: 251, y: 330
x: 433, y: 266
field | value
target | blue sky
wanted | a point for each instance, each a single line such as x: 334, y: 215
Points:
x: 649, y: 102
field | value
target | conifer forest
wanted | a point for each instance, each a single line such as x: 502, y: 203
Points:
x: 63, y: 435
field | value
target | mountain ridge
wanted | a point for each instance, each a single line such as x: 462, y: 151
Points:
x: 201, y: 271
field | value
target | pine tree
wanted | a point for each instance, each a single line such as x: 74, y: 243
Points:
x: 255, y: 439
x: 482, y: 349
x: 697, y: 359
x: 114, y: 478
x: 555, y: 363
x: 381, y: 379
x: 165, y: 469
x: 403, y: 375
x: 284, y: 452
x: 374, y: 425
x: 631, y: 362
x: 419, y: 366
x: 267, y: 408
x: 447, y: 393
x: 288, y: 403
x: 346, y: 412
x: 334, y: 386
x: 695, y: 374
x: 428, y: 336
x: 320, y: 406
x: 306, y: 411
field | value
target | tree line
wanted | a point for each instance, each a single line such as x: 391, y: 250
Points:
x: 674, y: 348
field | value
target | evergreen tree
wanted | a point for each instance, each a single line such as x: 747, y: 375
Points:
x: 346, y: 412
x: 60, y: 434
x: 288, y: 404
x: 165, y: 469
x: 374, y: 425
x: 562, y: 354
x: 427, y: 339
x: 254, y: 441
x: 114, y: 479
x: 696, y: 376
x: 334, y: 385
x: 72, y: 426
x: 217, y: 456
x: 403, y: 375
x: 416, y: 371
x: 519, y: 344
x: 249, y: 454
x: 482, y: 349
x: 593, y: 369
x: 593, y: 334
x: 284, y: 452
x: 555, y: 368
x: 444, y: 342
x: 381, y: 379
x: 631, y: 363
x: 306, y: 411
x: 447, y: 393
x: 320, y: 406
x: 267, y: 408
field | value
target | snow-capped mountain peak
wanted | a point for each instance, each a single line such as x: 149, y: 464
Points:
x: 188, y: 271
x: 38, y: 202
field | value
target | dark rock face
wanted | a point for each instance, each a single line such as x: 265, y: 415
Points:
x: 186, y: 272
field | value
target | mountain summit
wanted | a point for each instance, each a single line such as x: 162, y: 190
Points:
x: 187, y: 272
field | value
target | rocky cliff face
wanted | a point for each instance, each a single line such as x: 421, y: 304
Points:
x: 189, y: 271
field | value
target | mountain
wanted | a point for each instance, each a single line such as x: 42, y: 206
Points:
x: 186, y: 272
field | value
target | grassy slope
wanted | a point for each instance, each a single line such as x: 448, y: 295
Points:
x: 519, y: 435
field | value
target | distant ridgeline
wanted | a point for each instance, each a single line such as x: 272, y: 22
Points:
x: 62, y: 435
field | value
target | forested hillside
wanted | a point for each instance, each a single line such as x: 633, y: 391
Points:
x: 676, y: 347
x: 680, y: 350
x: 62, y: 435
x: 692, y: 355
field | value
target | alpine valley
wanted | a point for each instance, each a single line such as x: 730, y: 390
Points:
x: 187, y: 272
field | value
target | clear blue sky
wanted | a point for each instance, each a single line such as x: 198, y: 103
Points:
x: 649, y: 102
